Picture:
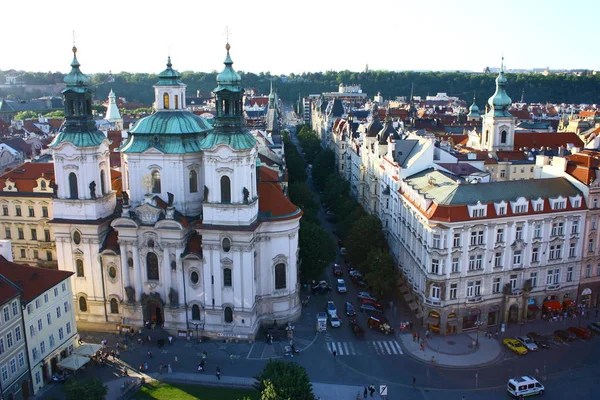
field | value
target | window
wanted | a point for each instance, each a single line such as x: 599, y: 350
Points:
x: 500, y: 235
x: 453, y: 291
x: 537, y: 231
x: 478, y: 212
x: 476, y: 237
x: 69, y: 327
x: 152, y: 266
x: 496, y: 285
x: 225, y: 189
x: 521, y: 208
x: 18, y: 334
x: 539, y: 206
x: 15, y: 308
x: 503, y: 137
x: 63, y: 287
x: 588, y: 271
x: 5, y: 210
x: 49, y: 318
x: 194, y: 277
x: 112, y: 272
x: 40, y: 325
x: 475, y: 262
x: 559, y: 205
x: 42, y: 347
x: 47, y: 235
x: 156, y: 181
x: 58, y: 312
x: 51, y: 341
x: 513, y: 282
x: 498, y: 260
x: 61, y: 334
x: 591, y: 245
x: 31, y: 330
x: 29, y: 309
x: 66, y: 306
x: 456, y: 240
x: 31, y: 211
x: 436, y: 242
x: 502, y: 210
x: 166, y: 101
x: 227, y: 277
x: 82, y: 304
x: 517, y: 257
x: 595, y: 203
x: 519, y: 233
x: 4, y: 373
x: 470, y: 289
x: 13, y: 365
x: 6, y: 313
x: 502, y: 173
x: 45, y: 211
x: 196, y: 312
x: 18, y: 211
x: 533, y: 277
x: 7, y: 233
x: 573, y: 250
x: 76, y: 237
x: 226, y: 244
x: 455, y: 265
x: 553, y: 276
x: 21, y: 359
x: 228, y: 315
x: 79, y: 268
x: 36, y: 255
x: 555, y: 252
x: 575, y: 226
x: 9, y: 340
x: 1, y: 346
x: 46, y: 297
x: 114, y: 307
x: 176, y: 102
x: 73, y: 190
x: 570, y: 274
x: 20, y: 233
x: 102, y: 182
x: 593, y: 223
x: 280, y: 276
x: 23, y: 254
x: 55, y: 291
x: 38, y: 303
x: 576, y: 203
x: 38, y: 378
x: 193, y: 181
x: 558, y: 229
x: 535, y: 254
x: 435, y: 291
x: 435, y: 266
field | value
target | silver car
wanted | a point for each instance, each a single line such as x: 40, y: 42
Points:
x: 528, y: 343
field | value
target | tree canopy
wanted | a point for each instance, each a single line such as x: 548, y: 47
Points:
x: 23, y: 115
x: 379, y: 272
x: 364, y: 235
x: 281, y: 380
x: 317, y: 249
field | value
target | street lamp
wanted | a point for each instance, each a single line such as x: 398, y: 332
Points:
x: 196, y: 325
x: 477, y: 324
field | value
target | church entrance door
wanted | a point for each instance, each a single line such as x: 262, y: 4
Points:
x: 154, y: 311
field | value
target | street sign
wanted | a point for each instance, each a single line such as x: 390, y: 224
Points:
x: 383, y: 390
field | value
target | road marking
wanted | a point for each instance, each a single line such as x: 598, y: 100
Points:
x: 386, y: 347
x: 346, y: 347
x: 165, y: 351
x: 398, y: 346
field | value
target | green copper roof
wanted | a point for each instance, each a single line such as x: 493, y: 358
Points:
x: 169, y: 77
x: 79, y: 139
x: 176, y: 122
x: 500, y: 102
x: 237, y: 141
x: 228, y: 79
x: 76, y: 77
x: 182, y: 144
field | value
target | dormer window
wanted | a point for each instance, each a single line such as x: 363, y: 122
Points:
x: 520, y: 209
x: 576, y: 201
x: 43, y: 185
x: 478, y: 211
x: 559, y: 204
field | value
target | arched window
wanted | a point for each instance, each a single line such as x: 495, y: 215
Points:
x: 103, y: 182
x: 193, y: 181
x: 76, y: 237
x: 280, y: 281
x: 82, y: 304
x: 79, y: 267
x: 166, y: 101
x: 43, y: 185
x: 176, y: 102
x: 227, y: 277
x: 196, y: 312
x: 487, y: 135
x: 228, y: 315
x: 225, y: 189
x: 503, y: 137
x: 156, y: 181
x: 114, y: 306
x: 73, y: 186
x: 152, y: 266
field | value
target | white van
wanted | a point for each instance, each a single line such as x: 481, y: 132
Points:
x: 524, y: 386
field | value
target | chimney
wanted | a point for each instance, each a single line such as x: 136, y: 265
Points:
x: 6, y: 250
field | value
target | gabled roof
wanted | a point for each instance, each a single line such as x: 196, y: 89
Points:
x: 25, y: 176
x: 8, y: 290
x: 33, y: 281
x: 268, y: 175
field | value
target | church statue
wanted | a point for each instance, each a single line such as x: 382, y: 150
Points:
x: 205, y: 193
x: 55, y: 188
x: 173, y: 297
x: 93, y: 189
x: 246, y: 195
x: 130, y: 294
x: 125, y: 198
x: 171, y: 198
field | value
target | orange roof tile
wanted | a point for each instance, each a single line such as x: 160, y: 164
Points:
x: 268, y: 175
x: 546, y: 139
x: 25, y: 176
x: 7, y: 290
x: 272, y: 203
x: 33, y: 281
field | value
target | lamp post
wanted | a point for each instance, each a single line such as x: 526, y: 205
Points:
x: 477, y: 324
x: 196, y: 325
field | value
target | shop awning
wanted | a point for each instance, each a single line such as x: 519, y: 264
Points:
x: 73, y: 362
x: 432, y: 320
x: 569, y: 303
x: 552, y: 305
x: 413, y: 306
x: 533, y: 308
x: 88, y: 349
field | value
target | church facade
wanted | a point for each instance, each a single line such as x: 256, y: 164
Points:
x: 202, y: 242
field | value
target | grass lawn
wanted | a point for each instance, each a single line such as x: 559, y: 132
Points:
x: 165, y: 391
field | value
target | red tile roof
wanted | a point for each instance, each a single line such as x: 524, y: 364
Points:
x: 546, y: 139
x: 7, y: 290
x: 268, y: 175
x: 583, y: 166
x: 33, y: 281
x: 272, y: 203
x: 25, y: 176
x: 520, y: 114
x: 117, y: 181
x: 194, y: 245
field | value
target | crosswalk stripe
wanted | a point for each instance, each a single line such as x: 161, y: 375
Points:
x: 340, y: 349
x: 391, y: 344
x: 346, y: 348
x: 398, y: 346
x: 329, y: 347
x: 352, y: 348
x: 386, y: 347
x: 379, y: 347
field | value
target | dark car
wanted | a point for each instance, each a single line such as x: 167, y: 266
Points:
x: 321, y: 288
x: 370, y: 308
x: 350, y: 310
x: 374, y: 303
x: 564, y: 336
x: 582, y: 333
x: 366, y: 295
x: 541, y: 341
x: 337, y: 270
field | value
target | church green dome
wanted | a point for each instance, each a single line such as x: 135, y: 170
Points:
x: 171, y: 123
x: 500, y: 102
x: 228, y: 78
x: 169, y: 77
x: 76, y: 77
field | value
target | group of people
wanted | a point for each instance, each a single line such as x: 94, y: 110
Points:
x: 101, y: 356
x: 368, y: 390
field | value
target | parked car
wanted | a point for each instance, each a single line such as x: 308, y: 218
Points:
x: 331, y: 310
x: 350, y: 310
x: 359, y: 283
x: 370, y: 308
x: 515, y: 346
x: 343, y: 251
x: 580, y: 332
x: 564, y: 336
x: 374, y: 303
x: 335, y: 321
x: 366, y: 295
x: 355, y: 274
x: 528, y: 343
x: 594, y: 327
x: 321, y: 288
x: 337, y: 270
x: 543, y: 342
x: 341, y: 286
x: 380, y: 323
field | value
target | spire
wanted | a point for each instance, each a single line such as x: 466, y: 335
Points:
x: 76, y: 77
x: 499, y: 102
x: 229, y: 93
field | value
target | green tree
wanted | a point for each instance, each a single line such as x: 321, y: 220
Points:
x: 55, y: 114
x: 317, y: 249
x: 92, y: 389
x: 380, y: 273
x: 323, y: 166
x: 301, y: 195
x: 23, y: 115
x: 286, y: 380
x: 99, y: 109
x: 365, y: 234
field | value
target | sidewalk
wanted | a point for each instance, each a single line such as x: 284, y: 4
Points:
x: 457, y: 351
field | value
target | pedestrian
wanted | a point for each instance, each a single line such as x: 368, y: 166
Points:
x: 149, y: 354
x: 365, y: 393
x: 176, y: 360
x: 148, y: 338
x: 231, y: 358
x: 372, y: 389
x: 334, y: 352
x: 170, y: 339
x: 414, y: 381
x: 218, y: 373
x: 204, y: 355
x: 169, y: 368
x: 414, y: 336
x: 200, y: 367
x: 140, y: 332
x: 419, y: 337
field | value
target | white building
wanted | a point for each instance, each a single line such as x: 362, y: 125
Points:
x: 203, y: 241
x: 48, y: 318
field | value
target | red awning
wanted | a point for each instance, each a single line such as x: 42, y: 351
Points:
x: 533, y: 308
x: 569, y: 303
x: 552, y: 305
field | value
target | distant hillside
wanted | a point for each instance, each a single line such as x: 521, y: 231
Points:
x: 538, y: 88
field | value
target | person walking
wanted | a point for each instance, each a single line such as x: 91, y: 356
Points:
x: 170, y: 340
x: 334, y: 352
x: 365, y: 393
x: 218, y: 373
x: 176, y: 360
x: 231, y: 358
x: 169, y: 369
x: 414, y: 336
x: 414, y: 381
x: 372, y: 389
x: 419, y: 337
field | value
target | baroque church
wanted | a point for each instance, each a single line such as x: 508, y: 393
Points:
x: 200, y: 243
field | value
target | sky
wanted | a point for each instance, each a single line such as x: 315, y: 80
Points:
x: 283, y: 37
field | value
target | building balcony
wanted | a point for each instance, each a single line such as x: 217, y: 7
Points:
x: 474, y: 299
x: 516, y: 293
x: 551, y: 287
x: 434, y: 302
